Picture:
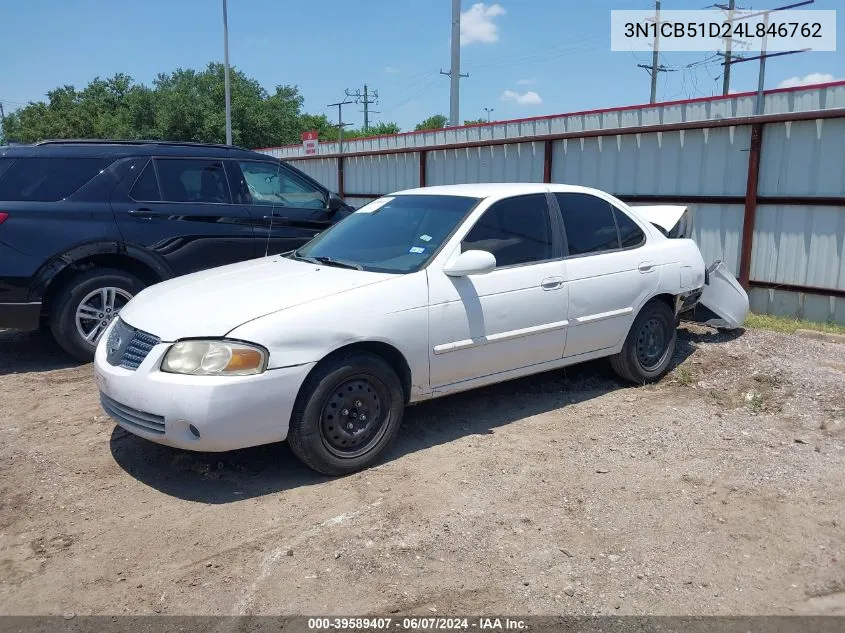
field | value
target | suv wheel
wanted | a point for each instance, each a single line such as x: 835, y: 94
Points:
x: 85, y: 307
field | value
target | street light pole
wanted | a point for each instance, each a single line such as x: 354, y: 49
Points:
x: 488, y: 111
x: 227, y: 88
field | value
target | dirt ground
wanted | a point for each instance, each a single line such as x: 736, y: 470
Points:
x: 718, y: 491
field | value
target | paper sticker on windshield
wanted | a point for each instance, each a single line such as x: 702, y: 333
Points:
x: 425, y: 238
x: 375, y: 205
x: 416, y: 249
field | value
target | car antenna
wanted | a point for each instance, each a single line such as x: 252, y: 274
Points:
x: 273, y: 209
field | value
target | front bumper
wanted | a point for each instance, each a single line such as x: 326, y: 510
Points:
x: 20, y: 316
x: 228, y: 412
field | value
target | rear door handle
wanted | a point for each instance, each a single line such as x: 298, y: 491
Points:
x: 142, y: 214
x: 646, y: 267
x: 551, y: 283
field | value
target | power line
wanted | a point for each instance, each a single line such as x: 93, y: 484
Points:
x: 655, y: 67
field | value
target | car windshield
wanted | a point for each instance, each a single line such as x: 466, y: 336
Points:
x: 394, y: 234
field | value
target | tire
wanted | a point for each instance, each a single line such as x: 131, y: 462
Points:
x: 330, y: 395
x: 639, y: 362
x: 85, y: 290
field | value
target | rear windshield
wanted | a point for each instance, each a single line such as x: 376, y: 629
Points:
x: 46, y: 179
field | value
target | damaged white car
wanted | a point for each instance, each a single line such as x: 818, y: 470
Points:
x: 418, y: 294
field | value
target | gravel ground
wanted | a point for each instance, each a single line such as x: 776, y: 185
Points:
x: 717, y: 491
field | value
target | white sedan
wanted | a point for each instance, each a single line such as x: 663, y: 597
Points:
x: 418, y: 294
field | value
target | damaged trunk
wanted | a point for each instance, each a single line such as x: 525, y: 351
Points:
x: 723, y: 302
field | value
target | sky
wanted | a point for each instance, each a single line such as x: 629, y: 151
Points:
x: 524, y: 57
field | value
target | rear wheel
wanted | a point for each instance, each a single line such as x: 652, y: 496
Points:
x: 87, y: 304
x: 347, y: 413
x: 648, y: 350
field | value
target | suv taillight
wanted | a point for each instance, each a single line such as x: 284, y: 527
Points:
x: 3, y: 217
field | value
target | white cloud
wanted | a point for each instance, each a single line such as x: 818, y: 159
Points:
x: 812, y: 78
x: 526, y: 82
x: 477, y: 23
x: 528, y: 98
x: 390, y: 70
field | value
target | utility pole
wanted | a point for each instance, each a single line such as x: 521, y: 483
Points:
x: 488, y: 111
x: 655, y: 67
x: 340, y: 124
x: 227, y: 87
x: 3, y: 123
x: 454, y: 73
x: 365, y: 99
x: 726, y: 78
x: 763, y: 56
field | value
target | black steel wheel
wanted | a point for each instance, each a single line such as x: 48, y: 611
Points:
x: 347, y: 413
x: 647, y: 352
x: 354, y: 415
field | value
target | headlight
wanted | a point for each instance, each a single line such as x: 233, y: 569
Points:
x: 214, y: 358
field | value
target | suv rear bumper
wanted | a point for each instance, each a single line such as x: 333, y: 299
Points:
x: 20, y: 316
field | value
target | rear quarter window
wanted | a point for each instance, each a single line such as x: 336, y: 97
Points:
x: 28, y: 179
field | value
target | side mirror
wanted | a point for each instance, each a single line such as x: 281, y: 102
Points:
x: 471, y: 263
x: 334, y: 203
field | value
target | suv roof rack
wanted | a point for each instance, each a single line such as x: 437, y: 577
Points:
x: 98, y: 141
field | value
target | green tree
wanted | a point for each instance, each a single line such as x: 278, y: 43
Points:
x: 185, y: 105
x: 432, y: 123
x: 475, y: 121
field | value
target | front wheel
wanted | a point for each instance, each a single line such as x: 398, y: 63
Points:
x: 648, y: 350
x: 86, y: 305
x: 347, y: 413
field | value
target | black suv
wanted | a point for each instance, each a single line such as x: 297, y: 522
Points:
x: 85, y: 225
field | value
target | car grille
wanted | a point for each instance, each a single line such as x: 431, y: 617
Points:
x: 132, y: 418
x: 127, y: 347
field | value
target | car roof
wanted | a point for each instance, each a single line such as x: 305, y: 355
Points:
x: 496, y: 190
x: 117, y: 149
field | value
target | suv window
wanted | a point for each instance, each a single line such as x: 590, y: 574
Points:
x: 145, y: 188
x: 271, y: 184
x: 192, y: 180
x: 589, y: 223
x: 516, y: 230
x: 47, y: 179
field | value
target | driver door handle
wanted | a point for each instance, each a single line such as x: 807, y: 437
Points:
x: 142, y: 214
x: 551, y: 283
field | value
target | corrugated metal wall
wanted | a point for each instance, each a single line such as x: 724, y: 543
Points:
x: 798, y: 237
x: 738, y: 105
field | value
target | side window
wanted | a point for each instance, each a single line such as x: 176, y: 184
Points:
x: 589, y: 223
x: 47, y: 179
x: 271, y: 184
x: 192, y: 180
x: 629, y: 233
x: 145, y: 188
x: 516, y: 230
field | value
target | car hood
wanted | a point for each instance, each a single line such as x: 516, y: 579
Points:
x: 213, y: 302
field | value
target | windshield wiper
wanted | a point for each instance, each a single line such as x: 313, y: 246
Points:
x: 328, y: 261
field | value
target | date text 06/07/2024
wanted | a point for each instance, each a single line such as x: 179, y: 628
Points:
x: 417, y: 624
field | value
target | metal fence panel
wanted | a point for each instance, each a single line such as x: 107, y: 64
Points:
x: 323, y: 170
x: 800, y: 246
x: 383, y: 173
x: 517, y: 162
x: 691, y: 162
x: 797, y: 305
x: 804, y: 158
